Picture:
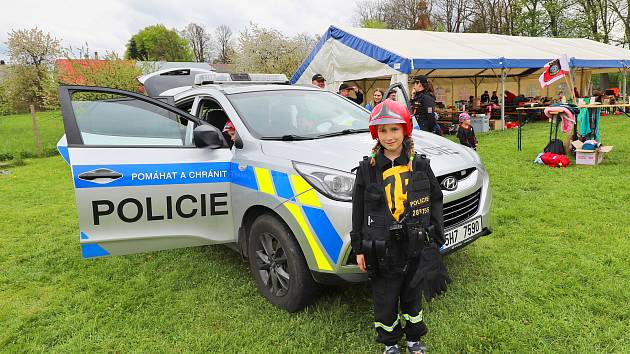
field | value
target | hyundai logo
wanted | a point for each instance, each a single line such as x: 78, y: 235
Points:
x: 449, y: 183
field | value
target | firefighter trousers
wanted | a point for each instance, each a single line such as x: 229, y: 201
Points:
x: 389, y: 292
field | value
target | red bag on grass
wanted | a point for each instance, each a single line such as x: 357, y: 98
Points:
x: 555, y: 160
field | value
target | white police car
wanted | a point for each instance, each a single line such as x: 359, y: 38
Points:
x: 157, y: 173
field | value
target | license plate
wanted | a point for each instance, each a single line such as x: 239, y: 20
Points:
x: 461, y: 233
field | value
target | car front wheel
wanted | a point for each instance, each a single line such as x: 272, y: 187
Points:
x: 278, y: 265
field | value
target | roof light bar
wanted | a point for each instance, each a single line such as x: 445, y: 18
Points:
x: 225, y: 78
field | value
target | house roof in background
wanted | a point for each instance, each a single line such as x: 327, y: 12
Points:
x: 224, y: 68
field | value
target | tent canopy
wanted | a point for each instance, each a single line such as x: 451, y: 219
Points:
x: 357, y: 53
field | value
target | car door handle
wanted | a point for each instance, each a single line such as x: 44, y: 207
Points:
x: 101, y: 173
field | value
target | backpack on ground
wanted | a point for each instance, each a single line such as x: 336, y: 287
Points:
x: 555, y: 146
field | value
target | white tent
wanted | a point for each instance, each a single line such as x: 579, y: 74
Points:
x: 453, y: 59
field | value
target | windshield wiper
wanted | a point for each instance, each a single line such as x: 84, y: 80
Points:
x: 288, y: 137
x: 344, y: 132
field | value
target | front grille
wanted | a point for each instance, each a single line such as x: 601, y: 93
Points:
x: 461, y: 209
x: 459, y: 175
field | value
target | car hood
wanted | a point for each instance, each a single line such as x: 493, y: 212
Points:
x: 344, y: 152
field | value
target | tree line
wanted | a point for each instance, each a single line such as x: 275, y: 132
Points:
x: 606, y: 21
x: 256, y: 48
x: 32, y: 76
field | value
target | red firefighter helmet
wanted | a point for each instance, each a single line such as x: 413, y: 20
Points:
x: 228, y: 126
x: 390, y: 112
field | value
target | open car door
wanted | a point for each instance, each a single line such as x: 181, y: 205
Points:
x: 141, y: 179
x: 402, y: 97
x: 401, y: 94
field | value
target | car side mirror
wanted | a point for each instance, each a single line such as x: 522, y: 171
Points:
x: 238, y: 142
x: 208, y: 136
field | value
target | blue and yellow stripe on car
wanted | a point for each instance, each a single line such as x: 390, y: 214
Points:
x: 320, y: 258
x: 265, y: 183
x: 303, y: 204
x: 306, y: 195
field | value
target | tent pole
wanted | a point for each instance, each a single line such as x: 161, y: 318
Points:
x: 503, y: 74
x: 547, y: 94
x: 476, y: 85
x: 582, y: 91
x: 625, y: 74
x: 573, y: 84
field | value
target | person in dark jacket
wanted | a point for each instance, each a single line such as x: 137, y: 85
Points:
x: 423, y: 103
x: 465, y: 132
x: 345, y: 89
x: 494, y: 99
x: 485, y: 97
x: 518, y: 100
x: 395, y: 190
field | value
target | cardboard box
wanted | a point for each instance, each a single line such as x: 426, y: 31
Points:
x: 589, y: 157
x: 496, y: 124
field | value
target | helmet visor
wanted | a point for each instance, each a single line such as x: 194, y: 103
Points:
x: 386, y: 116
x: 380, y: 120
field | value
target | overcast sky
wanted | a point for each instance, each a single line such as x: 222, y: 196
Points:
x: 108, y: 25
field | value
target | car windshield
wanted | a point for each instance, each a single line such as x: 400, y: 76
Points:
x: 298, y: 114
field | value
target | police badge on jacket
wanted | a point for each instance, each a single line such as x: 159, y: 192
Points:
x: 397, y: 225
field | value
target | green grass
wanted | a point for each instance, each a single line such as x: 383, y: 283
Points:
x: 554, y: 277
x: 17, y: 138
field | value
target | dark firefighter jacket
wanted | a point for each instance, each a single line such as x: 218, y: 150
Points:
x: 423, y: 105
x: 391, y: 193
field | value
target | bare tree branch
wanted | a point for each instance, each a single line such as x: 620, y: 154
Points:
x: 225, y: 46
x: 200, y: 41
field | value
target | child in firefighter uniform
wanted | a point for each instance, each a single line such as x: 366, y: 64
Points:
x: 396, y: 221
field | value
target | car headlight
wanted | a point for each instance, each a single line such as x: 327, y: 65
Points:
x: 332, y: 183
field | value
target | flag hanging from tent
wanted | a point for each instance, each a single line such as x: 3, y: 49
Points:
x: 554, y: 71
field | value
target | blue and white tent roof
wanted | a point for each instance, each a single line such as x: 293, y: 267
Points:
x: 357, y: 53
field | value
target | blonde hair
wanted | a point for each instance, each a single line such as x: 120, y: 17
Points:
x: 375, y: 151
x: 411, y: 151
x: 381, y: 91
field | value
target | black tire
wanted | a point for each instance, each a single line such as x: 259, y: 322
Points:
x: 278, y: 265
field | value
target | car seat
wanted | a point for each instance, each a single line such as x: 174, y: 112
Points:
x: 216, y: 117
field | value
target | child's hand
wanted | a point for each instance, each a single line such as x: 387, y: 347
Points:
x: 361, y: 262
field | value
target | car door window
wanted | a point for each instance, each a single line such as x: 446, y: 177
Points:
x: 210, y: 111
x: 113, y: 119
x: 401, y: 94
x: 186, y: 105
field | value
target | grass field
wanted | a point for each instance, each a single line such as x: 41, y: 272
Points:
x: 554, y: 277
x: 16, y: 134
